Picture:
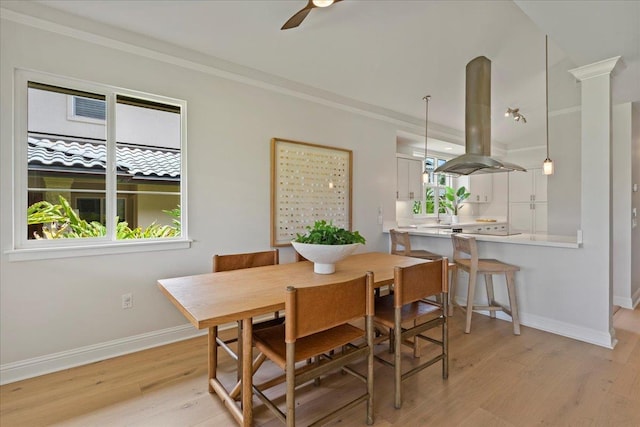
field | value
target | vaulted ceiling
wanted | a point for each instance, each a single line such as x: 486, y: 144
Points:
x: 386, y: 55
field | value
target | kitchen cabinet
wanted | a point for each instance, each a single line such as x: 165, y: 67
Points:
x: 528, y: 217
x: 481, y: 188
x: 409, y: 179
x: 528, y: 201
x: 527, y: 187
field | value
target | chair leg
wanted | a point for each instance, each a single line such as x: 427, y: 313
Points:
x: 452, y: 290
x: 445, y: 347
x: 291, y: 385
x: 397, y: 357
x: 213, y: 355
x: 471, y: 293
x: 511, y: 289
x: 488, y: 281
x: 239, y: 351
x: 369, y: 329
x: 416, y: 342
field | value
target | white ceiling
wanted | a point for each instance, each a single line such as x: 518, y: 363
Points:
x: 389, y: 54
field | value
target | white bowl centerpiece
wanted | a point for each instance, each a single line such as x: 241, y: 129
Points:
x: 325, y: 244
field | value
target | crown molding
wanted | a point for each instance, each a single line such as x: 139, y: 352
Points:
x: 45, y: 18
x: 607, y: 66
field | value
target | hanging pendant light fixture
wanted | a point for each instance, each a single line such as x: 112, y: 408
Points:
x: 425, y: 173
x: 547, y: 166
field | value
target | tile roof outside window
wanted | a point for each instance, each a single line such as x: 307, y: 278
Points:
x: 135, y: 161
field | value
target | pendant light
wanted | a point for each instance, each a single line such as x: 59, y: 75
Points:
x: 425, y: 173
x: 547, y: 166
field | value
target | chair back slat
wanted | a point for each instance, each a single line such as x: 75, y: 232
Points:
x: 400, y: 242
x: 245, y: 260
x: 420, y: 281
x: 466, y: 245
x: 314, y: 309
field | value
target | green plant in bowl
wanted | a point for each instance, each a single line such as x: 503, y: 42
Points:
x: 325, y: 244
x: 325, y: 233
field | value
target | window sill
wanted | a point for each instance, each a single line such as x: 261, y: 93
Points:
x: 112, y: 248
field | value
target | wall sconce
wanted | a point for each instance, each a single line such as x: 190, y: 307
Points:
x: 515, y: 113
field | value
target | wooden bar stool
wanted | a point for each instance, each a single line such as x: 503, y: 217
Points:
x: 401, y: 245
x: 488, y: 267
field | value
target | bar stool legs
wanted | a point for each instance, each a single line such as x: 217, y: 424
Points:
x: 487, y: 267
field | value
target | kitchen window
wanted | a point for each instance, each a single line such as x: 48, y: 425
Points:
x: 433, y: 191
x: 114, y: 180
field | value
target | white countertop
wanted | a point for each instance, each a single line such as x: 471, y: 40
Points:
x: 516, y: 239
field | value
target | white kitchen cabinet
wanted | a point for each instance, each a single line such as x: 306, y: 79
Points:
x: 528, y: 201
x: 409, y: 179
x: 481, y: 188
x: 528, y: 217
x: 529, y: 186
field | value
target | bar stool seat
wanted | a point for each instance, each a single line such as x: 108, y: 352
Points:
x: 487, y: 267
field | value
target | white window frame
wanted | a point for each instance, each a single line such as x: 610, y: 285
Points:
x: 436, y: 187
x: 27, y: 249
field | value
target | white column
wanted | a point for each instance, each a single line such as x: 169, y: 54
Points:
x: 596, y: 192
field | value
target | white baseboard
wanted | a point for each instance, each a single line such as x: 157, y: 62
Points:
x: 631, y: 303
x: 623, y: 302
x: 23, y: 369
x: 591, y: 336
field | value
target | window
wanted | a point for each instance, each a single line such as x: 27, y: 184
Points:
x: 430, y: 204
x: 117, y: 177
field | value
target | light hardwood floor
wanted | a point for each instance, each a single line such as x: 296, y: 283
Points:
x: 495, y: 379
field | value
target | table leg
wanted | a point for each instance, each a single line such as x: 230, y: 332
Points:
x: 247, y: 372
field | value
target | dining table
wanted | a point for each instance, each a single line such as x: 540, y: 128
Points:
x: 211, y: 300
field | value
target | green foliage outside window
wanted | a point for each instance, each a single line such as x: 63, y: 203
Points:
x: 60, y: 221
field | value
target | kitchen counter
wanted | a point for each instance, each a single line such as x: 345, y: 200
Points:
x: 516, y: 239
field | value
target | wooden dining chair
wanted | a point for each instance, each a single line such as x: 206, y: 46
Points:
x: 236, y: 262
x: 465, y: 256
x: 407, y: 313
x: 318, y: 321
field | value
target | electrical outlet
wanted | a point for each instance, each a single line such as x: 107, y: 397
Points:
x: 127, y: 301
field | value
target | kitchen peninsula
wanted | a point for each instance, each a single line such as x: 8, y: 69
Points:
x: 549, y: 283
x: 516, y: 239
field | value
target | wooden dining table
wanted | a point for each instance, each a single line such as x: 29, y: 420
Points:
x: 214, y: 299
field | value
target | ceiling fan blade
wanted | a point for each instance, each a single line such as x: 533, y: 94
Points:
x: 297, y: 19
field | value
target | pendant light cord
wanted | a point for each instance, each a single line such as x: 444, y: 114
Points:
x: 546, y: 82
x: 426, y: 131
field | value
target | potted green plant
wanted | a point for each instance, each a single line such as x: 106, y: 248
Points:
x: 325, y: 244
x: 453, y: 201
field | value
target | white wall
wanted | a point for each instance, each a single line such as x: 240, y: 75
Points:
x: 635, y: 203
x: 621, y: 215
x: 58, y: 306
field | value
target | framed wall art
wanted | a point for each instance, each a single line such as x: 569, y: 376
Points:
x: 309, y: 182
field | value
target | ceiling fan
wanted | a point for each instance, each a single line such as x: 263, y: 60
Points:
x: 299, y: 16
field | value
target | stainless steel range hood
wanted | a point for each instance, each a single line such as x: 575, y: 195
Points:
x: 477, y: 158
